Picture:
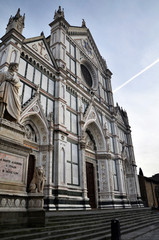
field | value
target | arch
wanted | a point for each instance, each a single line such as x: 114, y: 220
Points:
x: 38, y: 125
x: 3, y: 57
x: 90, y: 142
x: 91, y: 70
x: 13, y: 56
x: 97, y: 134
x: 31, y: 130
x: 63, y: 114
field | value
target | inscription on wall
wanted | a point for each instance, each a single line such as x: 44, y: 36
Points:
x: 11, y: 168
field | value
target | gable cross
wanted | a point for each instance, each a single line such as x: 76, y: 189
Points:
x: 41, y: 46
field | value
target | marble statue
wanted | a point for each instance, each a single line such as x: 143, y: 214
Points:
x: 38, y: 181
x: 10, y: 106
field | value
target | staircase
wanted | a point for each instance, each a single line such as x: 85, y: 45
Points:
x: 90, y: 225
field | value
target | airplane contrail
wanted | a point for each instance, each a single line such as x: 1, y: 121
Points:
x: 142, y: 71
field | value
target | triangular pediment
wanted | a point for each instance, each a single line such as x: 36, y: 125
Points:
x: 39, y: 46
x: 91, y: 115
x: 85, y: 41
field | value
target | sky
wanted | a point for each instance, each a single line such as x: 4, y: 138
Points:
x: 126, y: 33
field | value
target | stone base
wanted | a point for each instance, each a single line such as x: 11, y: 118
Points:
x: 10, y: 220
x: 18, y: 211
x: 35, y: 201
x: 11, y: 131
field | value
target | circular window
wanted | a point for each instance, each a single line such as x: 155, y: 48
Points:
x: 86, y: 75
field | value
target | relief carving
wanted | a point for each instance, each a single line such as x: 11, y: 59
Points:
x: 12, y: 203
x: 89, y: 143
x: 104, y: 183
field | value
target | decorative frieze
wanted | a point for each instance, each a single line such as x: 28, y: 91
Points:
x: 12, y: 202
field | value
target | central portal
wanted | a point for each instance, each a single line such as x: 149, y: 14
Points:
x: 91, y: 184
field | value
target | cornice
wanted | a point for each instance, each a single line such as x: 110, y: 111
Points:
x: 12, y: 33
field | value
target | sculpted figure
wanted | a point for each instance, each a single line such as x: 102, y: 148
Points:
x: 10, y: 105
x: 38, y: 181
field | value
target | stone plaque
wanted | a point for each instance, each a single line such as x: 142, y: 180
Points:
x: 11, y: 168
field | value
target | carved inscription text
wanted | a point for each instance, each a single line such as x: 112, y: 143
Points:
x: 11, y: 168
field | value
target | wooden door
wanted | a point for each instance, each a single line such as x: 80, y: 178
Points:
x: 91, y: 184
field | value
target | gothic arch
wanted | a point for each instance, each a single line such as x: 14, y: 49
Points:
x: 13, y: 56
x: 3, y: 56
x: 39, y: 127
x: 97, y: 134
x: 30, y: 129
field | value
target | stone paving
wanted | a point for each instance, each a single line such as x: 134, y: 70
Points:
x: 153, y: 235
x: 151, y: 232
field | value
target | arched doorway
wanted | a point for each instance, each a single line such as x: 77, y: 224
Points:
x: 36, y: 138
x: 95, y: 147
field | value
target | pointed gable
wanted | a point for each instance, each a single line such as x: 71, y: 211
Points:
x: 91, y: 115
x: 85, y: 41
x: 39, y: 46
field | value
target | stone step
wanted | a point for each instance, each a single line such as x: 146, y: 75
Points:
x: 79, y: 214
x: 93, y: 218
x: 98, y: 234
x: 80, y: 235
x: 91, y: 223
x: 92, y: 226
x: 66, y: 235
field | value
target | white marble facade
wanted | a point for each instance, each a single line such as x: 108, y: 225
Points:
x: 71, y: 124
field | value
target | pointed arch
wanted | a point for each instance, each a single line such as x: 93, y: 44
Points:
x: 63, y: 114
x: 3, y: 56
x: 97, y: 134
x: 31, y: 131
x: 13, y: 56
x: 38, y: 125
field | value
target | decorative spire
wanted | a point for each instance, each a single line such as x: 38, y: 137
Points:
x: 59, y: 13
x: 16, y: 22
x: 141, y: 172
x: 83, y: 23
x: 17, y: 16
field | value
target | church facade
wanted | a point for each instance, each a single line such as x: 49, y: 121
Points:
x: 72, y: 128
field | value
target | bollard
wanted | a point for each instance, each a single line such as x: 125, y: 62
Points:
x: 115, y: 230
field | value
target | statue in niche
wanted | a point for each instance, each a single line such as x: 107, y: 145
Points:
x: 38, y: 181
x: 10, y: 106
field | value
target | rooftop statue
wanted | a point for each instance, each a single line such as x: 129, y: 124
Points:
x: 10, y: 106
